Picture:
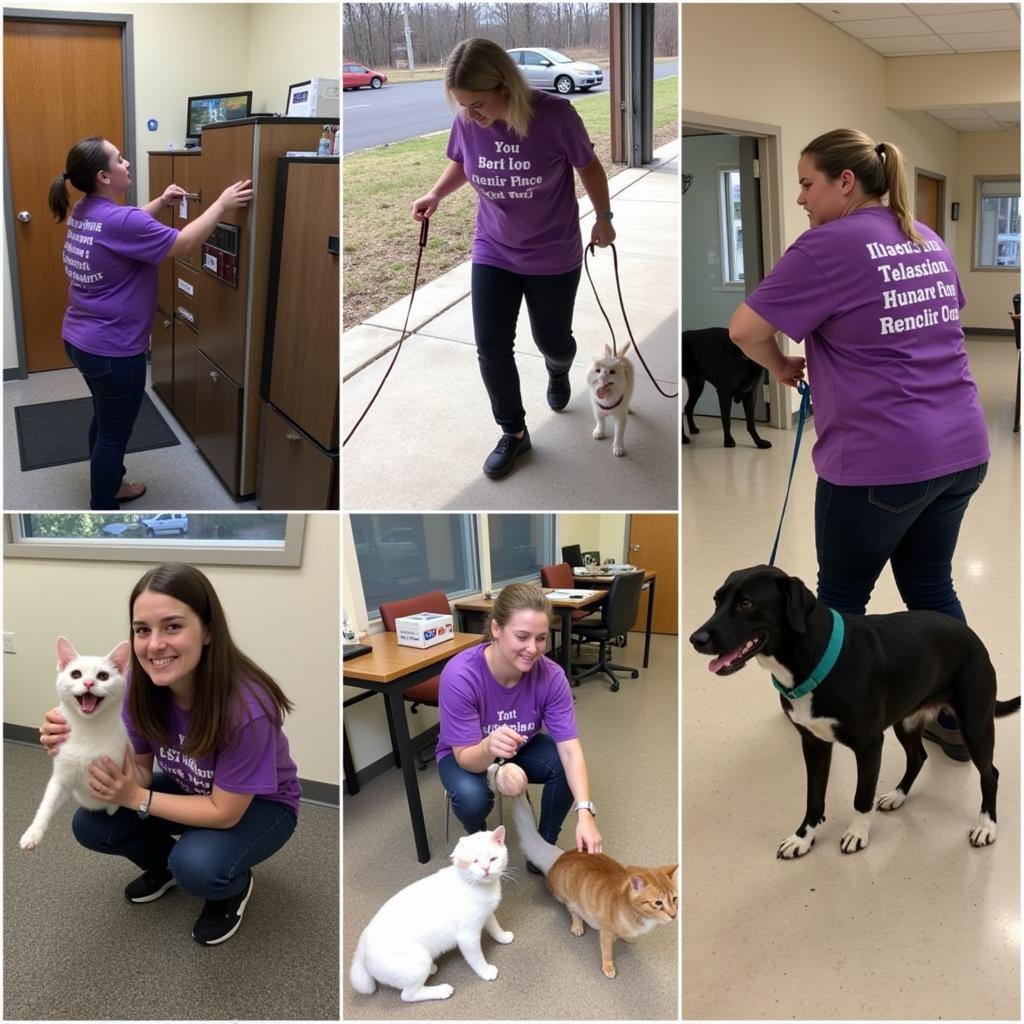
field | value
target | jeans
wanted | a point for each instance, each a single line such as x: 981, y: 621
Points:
x: 472, y: 800
x: 211, y: 863
x: 913, y: 526
x: 497, y: 295
x: 117, y: 384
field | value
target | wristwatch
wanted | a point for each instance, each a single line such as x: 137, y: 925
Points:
x: 585, y: 805
x: 143, y: 811
x: 603, y: 214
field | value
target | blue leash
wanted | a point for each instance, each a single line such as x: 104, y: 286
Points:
x: 805, y: 407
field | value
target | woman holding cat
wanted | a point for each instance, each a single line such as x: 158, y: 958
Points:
x: 209, y: 759
x: 518, y: 148
x: 493, y: 700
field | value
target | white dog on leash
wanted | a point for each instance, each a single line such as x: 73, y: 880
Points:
x: 610, y: 379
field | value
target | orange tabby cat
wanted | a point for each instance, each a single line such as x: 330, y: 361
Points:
x: 620, y: 902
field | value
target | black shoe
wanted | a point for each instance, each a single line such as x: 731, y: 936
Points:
x: 533, y: 869
x: 503, y: 458
x: 559, y: 390
x: 220, y: 918
x: 150, y: 886
x: 950, y: 740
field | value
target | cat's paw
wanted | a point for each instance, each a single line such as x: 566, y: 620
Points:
x: 504, y: 938
x: 31, y: 839
x: 576, y: 929
x: 598, y: 433
x: 618, y: 450
x: 609, y: 970
x: 488, y: 972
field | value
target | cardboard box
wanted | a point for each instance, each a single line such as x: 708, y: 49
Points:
x: 424, y: 629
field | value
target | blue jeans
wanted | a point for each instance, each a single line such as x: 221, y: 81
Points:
x: 496, y: 296
x: 117, y: 385
x: 211, y: 863
x: 472, y: 800
x: 913, y: 526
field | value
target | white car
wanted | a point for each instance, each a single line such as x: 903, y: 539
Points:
x: 166, y: 523
x: 548, y: 69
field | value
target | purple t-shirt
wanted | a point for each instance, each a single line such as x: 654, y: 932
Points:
x: 257, y: 761
x: 894, y: 400
x: 527, y: 219
x: 112, y: 256
x: 473, y: 703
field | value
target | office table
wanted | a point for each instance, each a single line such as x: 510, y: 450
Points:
x: 605, y: 580
x: 563, y: 606
x: 390, y: 670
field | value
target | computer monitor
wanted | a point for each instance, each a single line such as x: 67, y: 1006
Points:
x: 571, y: 553
x: 216, y: 109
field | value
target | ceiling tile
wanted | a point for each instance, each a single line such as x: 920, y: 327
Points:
x: 921, y: 9
x: 905, y: 45
x: 875, y: 28
x: 975, y: 41
x: 857, y: 12
x: 974, y: 21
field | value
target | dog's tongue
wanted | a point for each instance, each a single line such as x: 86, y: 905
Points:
x: 724, y: 660
x: 89, y: 702
x: 605, y: 391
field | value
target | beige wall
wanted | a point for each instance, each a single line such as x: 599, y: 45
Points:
x: 184, y: 50
x: 286, y: 620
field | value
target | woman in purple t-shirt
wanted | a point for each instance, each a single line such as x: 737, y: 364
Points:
x: 518, y: 148
x: 211, y: 762
x: 902, y: 443
x: 112, y: 256
x: 493, y: 701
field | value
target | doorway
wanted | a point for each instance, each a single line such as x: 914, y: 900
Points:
x: 87, y: 58
x: 654, y: 547
x: 930, y: 201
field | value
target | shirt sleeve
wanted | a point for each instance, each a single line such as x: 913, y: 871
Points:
x: 558, y: 714
x: 249, y: 765
x: 454, y: 150
x: 795, y: 297
x: 144, y: 238
x: 460, y: 723
x: 579, y: 150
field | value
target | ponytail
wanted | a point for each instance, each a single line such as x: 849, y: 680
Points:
x: 85, y: 160
x: 57, y: 198
x: 880, y: 170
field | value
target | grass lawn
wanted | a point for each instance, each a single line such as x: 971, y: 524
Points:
x: 380, y: 184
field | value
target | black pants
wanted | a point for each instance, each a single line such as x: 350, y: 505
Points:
x: 497, y: 295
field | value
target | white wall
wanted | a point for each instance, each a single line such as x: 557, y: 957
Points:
x: 285, y: 619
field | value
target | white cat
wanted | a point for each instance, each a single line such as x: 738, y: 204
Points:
x: 611, y: 388
x: 91, y: 690
x: 450, y: 908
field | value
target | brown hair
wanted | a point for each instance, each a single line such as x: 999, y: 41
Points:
x: 879, y: 169
x: 516, y: 597
x: 222, y: 673
x: 84, y: 161
x: 478, y: 65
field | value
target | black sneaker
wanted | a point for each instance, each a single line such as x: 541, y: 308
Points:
x: 559, y: 390
x: 150, y: 886
x: 502, y: 459
x: 220, y: 918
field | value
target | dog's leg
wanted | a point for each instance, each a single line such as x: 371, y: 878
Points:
x: 725, y: 411
x: 817, y: 759
x: 694, y: 389
x: 980, y: 739
x: 749, y: 401
x: 869, y: 762
x: 916, y: 757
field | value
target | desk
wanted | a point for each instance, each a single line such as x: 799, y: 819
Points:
x: 565, y: 608
x: 650, y: 579
x: 390, y: 670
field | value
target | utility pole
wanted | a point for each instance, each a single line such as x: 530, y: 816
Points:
x: 408, y: 38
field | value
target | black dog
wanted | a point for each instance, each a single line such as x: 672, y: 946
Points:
x: 896, y: 669
x: 709, y: 355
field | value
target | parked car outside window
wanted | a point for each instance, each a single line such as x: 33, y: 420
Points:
x: 355, y: 76
x: 548, y: 69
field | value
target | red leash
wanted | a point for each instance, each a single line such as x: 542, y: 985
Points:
x: 424, y: 228
x: 618, y: 287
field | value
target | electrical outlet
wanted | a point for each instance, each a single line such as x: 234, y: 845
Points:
x: 9, y: 643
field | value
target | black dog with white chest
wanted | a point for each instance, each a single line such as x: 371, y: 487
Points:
x: 847, y: 678
x: 710, y: 355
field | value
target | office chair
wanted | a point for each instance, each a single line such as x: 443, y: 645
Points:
x: 617, y: 617
x: 559, y: 577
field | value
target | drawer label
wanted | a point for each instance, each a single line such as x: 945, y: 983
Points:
x: 210, y: 261
x: 186, y: 287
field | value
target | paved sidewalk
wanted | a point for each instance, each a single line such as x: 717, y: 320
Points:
x: 423, y: 443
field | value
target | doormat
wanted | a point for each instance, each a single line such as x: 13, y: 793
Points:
x: 57, y: 433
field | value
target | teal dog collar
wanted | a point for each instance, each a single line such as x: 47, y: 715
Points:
x: 822, y: 669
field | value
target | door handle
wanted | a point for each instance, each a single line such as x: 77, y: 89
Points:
x: 24, y: 216
x: 167, y: 323
x: 634, y: 547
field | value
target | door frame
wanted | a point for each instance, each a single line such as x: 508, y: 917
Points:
x: 20, y: 372
x: 769, y: 147
x: 921, y: 172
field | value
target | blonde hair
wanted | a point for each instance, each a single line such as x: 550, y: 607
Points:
x: 478, y: 65
x: 878, y: 168
x: 516, y: 597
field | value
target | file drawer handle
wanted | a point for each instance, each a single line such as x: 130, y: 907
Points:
x: 292, y: 437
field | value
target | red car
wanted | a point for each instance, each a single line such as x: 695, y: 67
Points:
x: 355, y: 76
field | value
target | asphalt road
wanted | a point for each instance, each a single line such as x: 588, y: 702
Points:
x: 395, y: 112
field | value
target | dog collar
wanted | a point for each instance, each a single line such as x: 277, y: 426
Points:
x: 824, y: 666
x: 612, y: 406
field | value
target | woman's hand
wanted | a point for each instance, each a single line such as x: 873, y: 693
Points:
x: 503, y: 742
x: 790, y: 371
x: 602, y: 234
x: 117, y: 784
x: 587, y: 836
x: 423, y: 208
x: 172, y: 195
x: 54, y: 731
x: 237, y: 195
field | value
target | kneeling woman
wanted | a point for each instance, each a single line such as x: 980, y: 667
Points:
x: 493, y: 701
x: 211, y: 762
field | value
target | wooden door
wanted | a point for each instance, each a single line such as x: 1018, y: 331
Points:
x: 654, y: 545
x: 928, y: 203
x: 46, y: 66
